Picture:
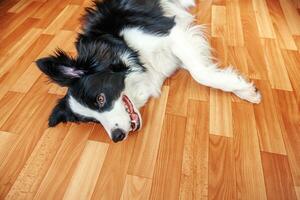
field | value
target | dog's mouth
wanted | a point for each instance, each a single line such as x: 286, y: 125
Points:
x: 133, y: 114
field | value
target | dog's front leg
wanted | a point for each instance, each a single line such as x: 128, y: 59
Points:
x: 192, y: 49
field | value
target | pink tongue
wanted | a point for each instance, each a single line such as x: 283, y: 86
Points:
x: 134, y: 117
x: 128, y: 103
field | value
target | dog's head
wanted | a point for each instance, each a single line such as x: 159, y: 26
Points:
x: 96, y: 83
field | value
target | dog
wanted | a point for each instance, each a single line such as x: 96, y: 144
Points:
x: 126, y: 49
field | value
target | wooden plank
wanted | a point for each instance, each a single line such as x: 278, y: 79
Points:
x: 88, y: 169
x: 6, y: 142
x: 194, y: 172
x: 292, y: 63
x: 37, y: 165
x: 263, y: 19
x: 278, y: 178
x: 234, y: 32
x: 220, y: 51
x: 296, y: 3
x: 26, y: 109
x: 177, y: 101
x: 19, y: 6
x: 298, y: 191
x: 247, y: 155
x: 146, y: 147
x: 166, y: 177
x: 17, y: 34
x: 6, y: 5
x: 58, y: 177
x: 289, y: 110
x: 268, y: 122
x: 218, y: 21
x: 283, y: 33
x: 61, y: 19
x: 237, y: 57
x: 203, y: 12
x: 77, y: 2
x: 297, y: 41
x: 27, y: 79
x: 220, y: 113
x: 277, y: 73
x: 219, y: 2
x: 256, y: 61
x: 49, y: 11
x: 49, y: 7
x: 99, y: 134
x: 73, y: 23
x: 197, y: 91
x: 56, y: 89
x: 69, y: 43
x: 21, y: 64
x: 221, y: 169
x: 8, y: 104
x: 113, y: 174
x: 136, y: 188
x: 292, y: 16
x: 19, y: 19
x: 61, y: 39
x: 24, y: 145
x: 19, y: 49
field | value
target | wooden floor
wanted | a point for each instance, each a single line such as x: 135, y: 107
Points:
x: 196, y: 143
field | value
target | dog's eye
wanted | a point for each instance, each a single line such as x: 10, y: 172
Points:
x: 101, y: 100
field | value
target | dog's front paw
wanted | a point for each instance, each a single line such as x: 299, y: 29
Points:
x: 250, y: 94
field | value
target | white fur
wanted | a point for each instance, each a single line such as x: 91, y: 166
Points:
x: 191, y: 47
x: 128, y: 61
x: 156, y: 56
x: 185, y: 46
x: 154, y: 50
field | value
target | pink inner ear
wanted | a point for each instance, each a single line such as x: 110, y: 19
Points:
x: 69, y: 71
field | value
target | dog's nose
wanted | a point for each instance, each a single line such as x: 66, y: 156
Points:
x: 118, y: 135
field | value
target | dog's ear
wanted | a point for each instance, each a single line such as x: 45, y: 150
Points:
x: 61, y: 113
x: 60, y: 68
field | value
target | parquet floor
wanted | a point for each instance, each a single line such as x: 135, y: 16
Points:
x: 196, y: 143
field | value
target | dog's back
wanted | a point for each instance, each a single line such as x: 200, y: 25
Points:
x: 112, y: 16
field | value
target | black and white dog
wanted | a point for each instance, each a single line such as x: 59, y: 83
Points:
x: 125, y: 52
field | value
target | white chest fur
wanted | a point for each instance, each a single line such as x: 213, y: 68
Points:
x: 154, y: 50
x: 156, y: 55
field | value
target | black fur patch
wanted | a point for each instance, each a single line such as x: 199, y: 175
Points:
x: 111, y: 84
x: 62, y: 113
x: 99, y: 68
x: 112, y: 16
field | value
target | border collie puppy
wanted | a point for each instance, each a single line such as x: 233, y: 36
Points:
x: 126, y: 50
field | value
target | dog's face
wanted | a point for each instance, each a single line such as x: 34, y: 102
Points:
x: 95, y: 92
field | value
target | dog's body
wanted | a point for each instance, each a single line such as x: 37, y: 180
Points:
x: 126, y: 51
